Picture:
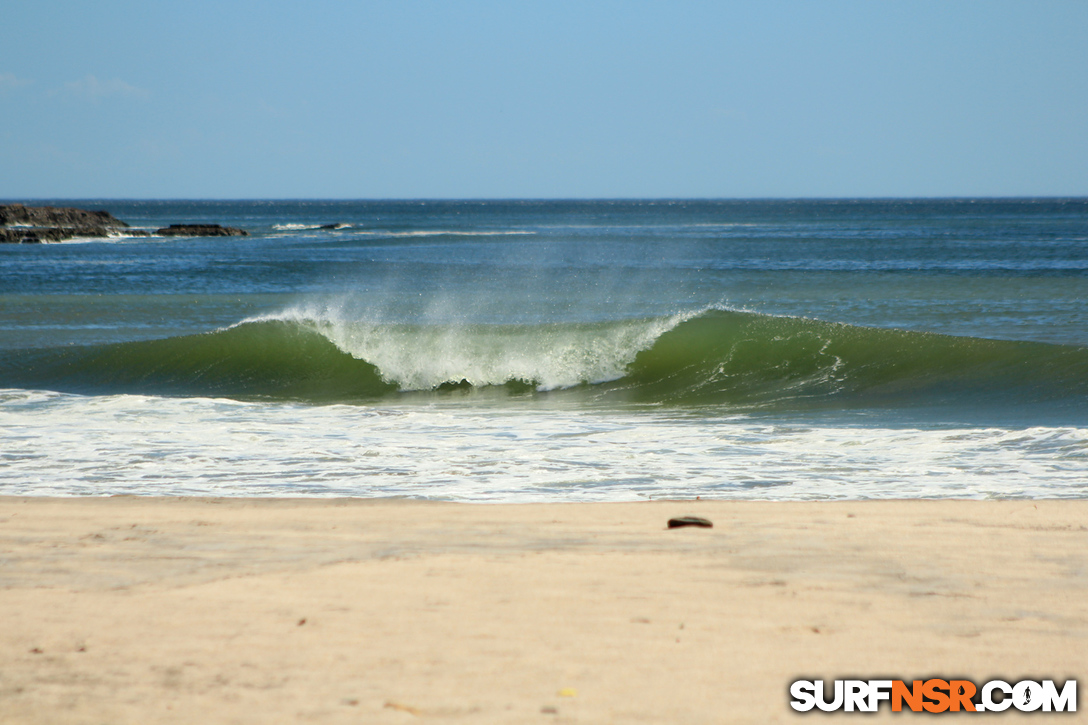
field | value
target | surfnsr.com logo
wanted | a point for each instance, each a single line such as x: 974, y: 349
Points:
x: 935, y: 695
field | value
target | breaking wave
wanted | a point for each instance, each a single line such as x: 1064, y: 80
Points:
x: 708, y: 357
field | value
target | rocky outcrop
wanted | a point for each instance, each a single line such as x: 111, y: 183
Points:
x: 201, y: 230
x: 31, y: 224
x: 36, y: 235
x: 58, y: 216
x: 35, y: 224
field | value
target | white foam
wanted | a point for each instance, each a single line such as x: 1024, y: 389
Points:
x: 423, y: 356
x: 57, y: 444
x: 456, y: 233
x: 410, y: 233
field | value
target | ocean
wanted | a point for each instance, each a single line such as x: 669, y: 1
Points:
x: 516, y: 351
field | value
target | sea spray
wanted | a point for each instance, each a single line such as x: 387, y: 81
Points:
x: 424, y: 356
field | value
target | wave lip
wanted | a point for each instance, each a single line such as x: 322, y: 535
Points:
x: 719, y: 357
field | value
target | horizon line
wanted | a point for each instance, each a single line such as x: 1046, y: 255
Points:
x: 19, y: 200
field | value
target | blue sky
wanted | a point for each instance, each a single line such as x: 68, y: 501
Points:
x: 543, y: 99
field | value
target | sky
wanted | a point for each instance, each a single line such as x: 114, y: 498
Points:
x: 406, y: 99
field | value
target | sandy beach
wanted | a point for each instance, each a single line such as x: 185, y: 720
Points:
x: 182, y: 610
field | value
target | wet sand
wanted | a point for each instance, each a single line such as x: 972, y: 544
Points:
x: 181, y: 610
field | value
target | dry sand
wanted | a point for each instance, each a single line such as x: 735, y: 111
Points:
x: 173, y: 610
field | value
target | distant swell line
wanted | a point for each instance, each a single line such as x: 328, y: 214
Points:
x: 364, y: 231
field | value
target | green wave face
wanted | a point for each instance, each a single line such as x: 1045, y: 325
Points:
x: 717, y: 357
x: 278, y: 360
x: 751, y: 359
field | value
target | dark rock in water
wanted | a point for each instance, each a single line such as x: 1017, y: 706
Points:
x: 58, y: 216
x: 16, y: 236
x: 690, y: 521
x: 37, y: 235
x: 519, y: 386
x: 36, y: 224
x: 201, y: 230
x: 450, y: 385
